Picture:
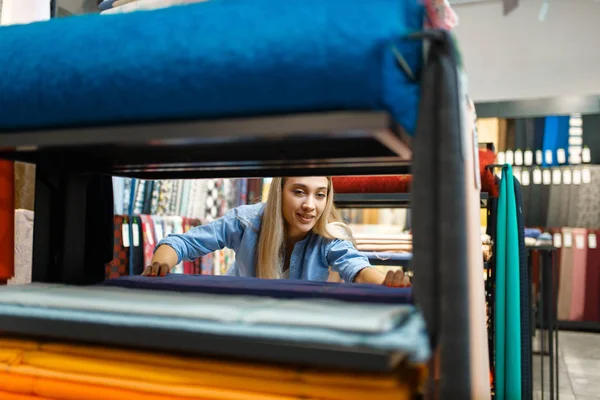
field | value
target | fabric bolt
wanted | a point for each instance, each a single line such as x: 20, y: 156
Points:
x: 118, y: 194
x: 149, y: 239
x: 140, y: 189
x: 408, y: 340
x: 119, y: 266
x: 556, y: 136
x: 565, y: 290
x: 574, y: 210
x: 138, y: 263
x: 155, y: 197
x: 565, y: 205
x: 147, y: 199
x: 553, y: 219
x: 340, y: 39
x: 520, y: 134
x: 260, y: 287
x: 24, y: 185
x: 525, y: 304
x: 588, y: 215
x: 197, y: 378
x: 127, y: 195
x: 539, y: 127
x: 544, y: 197
x: 578, y: 296
x: 508, y: 306
x: 23, y: 247
x: 592, y: 279
x: 7, y: 220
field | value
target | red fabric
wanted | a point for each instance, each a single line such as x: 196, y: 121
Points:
x: 7, y: 220
x: 402, y: 183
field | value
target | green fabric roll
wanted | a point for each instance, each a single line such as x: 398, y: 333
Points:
x: 508, y: 311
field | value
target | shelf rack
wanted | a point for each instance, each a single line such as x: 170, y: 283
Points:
x: 74, y: 162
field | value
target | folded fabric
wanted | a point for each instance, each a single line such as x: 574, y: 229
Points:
x: 532, y: 233
x: 402, y: 183
x: 196, y: 378
x: 255, y: 310
x: 242, y: 55
x: 16, y: 396
x: 408, y: 340
x: 120, y: 3
x: 279, y: 288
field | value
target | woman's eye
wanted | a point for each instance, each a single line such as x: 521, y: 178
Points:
x: 298, y: 192
x: 321, y: 195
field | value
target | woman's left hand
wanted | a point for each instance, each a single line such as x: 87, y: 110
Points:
x: 396, y: 279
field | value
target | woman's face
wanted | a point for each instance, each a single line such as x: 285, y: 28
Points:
x: 303, y: 202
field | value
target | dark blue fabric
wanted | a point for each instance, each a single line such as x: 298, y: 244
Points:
x: 220, y: 58
x: 280, y: 288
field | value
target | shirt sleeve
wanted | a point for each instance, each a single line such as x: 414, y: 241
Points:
x: 226, y: 231
x: 343, y: 258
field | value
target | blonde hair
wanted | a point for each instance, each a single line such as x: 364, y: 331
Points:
x: 271, y: 245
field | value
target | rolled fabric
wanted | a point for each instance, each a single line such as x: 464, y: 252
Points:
x: 7, y: 220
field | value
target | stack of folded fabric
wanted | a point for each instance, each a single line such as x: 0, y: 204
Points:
x: 314, y: 316
x: 54, y: 370
x: 402, y: 183
x: 400, y: 243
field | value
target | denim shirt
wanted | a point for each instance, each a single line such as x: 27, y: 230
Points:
x: 239, y: 230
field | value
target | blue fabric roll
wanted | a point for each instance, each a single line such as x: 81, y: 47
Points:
x: 556, y: 136
x: 221, y: 58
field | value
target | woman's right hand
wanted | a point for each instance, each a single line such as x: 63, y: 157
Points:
x: 156, y: 269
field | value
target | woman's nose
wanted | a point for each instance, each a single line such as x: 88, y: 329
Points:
x: 308, y: 205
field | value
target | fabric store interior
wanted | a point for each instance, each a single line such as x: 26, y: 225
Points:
x: 211, y: 213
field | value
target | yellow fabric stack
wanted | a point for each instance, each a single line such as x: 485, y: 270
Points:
x: 46, y: 370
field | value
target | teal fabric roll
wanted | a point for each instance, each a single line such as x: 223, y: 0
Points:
x: 508, y: 313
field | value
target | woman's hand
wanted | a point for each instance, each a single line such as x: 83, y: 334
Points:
x: 156, y: 269
x: 396, y: 279
x: 164, y: 259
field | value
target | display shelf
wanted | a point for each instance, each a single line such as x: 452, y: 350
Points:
x: 381, y: 200
x: 333, y: 143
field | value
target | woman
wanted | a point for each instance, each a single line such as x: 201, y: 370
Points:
x: 297, y: 234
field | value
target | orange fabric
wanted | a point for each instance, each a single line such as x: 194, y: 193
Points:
x: 16, y: 396
x: 7, y: 220
x: 239, y: 368
x: 161, y: 375
x: 183, y: 377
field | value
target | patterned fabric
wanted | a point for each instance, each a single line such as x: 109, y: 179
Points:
x: 24, y: 186
x: 119, y: 266
x: 149, y: 238
x: 118, y: 194
x: 212, y: 200
x: 164, y: 197
x: 588, y: 202
x: 23, y: 247
x: 155, y: 197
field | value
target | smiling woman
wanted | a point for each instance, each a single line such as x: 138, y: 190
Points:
x: 296, y: 234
